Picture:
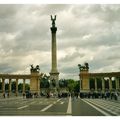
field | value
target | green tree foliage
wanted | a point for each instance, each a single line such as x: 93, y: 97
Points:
x: 77, y: 86
x: 70, y: 84
x: 63, y: 83
x: 13, y: 86
x: 6, y: 86
x: 20, y: 86
x: 27, y: 86
x: 44, y: 83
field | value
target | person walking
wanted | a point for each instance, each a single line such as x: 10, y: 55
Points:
x: 116, y: 96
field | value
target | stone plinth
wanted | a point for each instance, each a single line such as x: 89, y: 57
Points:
x: 84, y: 81
x: 35, y: 83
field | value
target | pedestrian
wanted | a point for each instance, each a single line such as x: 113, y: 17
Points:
x: 8, y: 95
x: 112, y: 94
x: 23, y: 95
x: 4, y: 95
x: 105, y: 95
x: 116, y: 96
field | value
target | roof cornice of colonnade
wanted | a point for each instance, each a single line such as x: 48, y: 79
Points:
x: 107, y: 74
x: 19, y: 76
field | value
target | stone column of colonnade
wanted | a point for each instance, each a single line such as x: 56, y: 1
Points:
x: 16, y: 87
x: 110, y: 83
x: 9, y: 86
x: 117, y: 83
x: 95, y: 84
x: 3, y: 85
x: 103, y: 84
x: 23, y: 85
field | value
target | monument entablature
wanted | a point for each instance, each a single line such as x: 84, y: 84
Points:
x: 109, y: 74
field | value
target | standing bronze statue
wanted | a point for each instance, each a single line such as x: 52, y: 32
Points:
x: 53, y: 20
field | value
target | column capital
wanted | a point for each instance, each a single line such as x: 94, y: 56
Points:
x: 53, y: 29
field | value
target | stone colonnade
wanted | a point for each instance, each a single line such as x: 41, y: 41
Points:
x: 9, y: 88
x: 110, y: 84
x: 34, y: 82
x: 99, y: 80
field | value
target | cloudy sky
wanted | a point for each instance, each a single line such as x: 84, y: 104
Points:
x: 86, y: 33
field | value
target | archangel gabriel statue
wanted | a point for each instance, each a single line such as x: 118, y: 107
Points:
x: 53, y: 20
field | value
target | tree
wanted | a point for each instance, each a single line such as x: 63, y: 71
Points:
x: 77, y: 86
x: 44, y: 83
x: 27, y: 86
x: 20, y: 86
x: 6, y: 86
x: 13, y: 86
x: 70, y: 85
x: 61, y: 83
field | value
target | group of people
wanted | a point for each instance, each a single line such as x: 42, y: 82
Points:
x: 30, y: 95
x: 6, y: 95
x: 105, y: 95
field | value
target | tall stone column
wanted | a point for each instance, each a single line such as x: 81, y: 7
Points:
x: 54, y: 74
x: 103, y: 85
x: 16, y: 87
x: 23, y: 85
x: 9, y: 86
x: 3, y: 85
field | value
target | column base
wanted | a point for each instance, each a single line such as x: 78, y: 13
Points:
x: 54, y: 75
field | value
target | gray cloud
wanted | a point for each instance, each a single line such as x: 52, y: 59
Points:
x: 86, y: 33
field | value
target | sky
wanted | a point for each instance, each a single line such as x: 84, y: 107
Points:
x: 85, y: 33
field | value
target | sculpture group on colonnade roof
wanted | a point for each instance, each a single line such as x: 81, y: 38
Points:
x: 83, y: 67
x: 34, y: 69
